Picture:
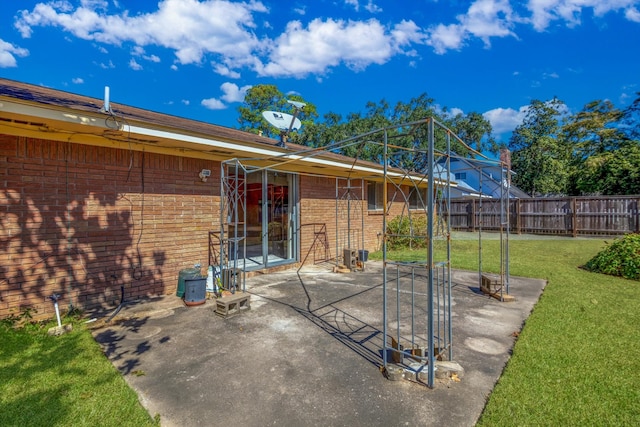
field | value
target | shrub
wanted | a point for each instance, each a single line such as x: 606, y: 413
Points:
x: 405, y: 232
x: 620, y: 258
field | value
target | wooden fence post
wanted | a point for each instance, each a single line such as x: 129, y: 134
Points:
x: 472, y: 223
x: 574, y: 220
x: 638, y: 216
x: 518, y: 219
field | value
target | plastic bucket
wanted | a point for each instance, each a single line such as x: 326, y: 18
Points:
x: 363, y: 255
x: 195, y: 291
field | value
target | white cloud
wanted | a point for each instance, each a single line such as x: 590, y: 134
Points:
x: 543, y: 12
x: 225, y: 71
x: 133, y: 64
x: 446, y: 37
x: 232, y: 93
x: 372, y: 8
x: 107, y: 66
x: 95, y: 4
x: 448, y: 112
x: 455, y: 112
x: 632, y: 14
x: 77, y: 80
x: 227, y: 30
x: 505, y: 120
x: 328, y: 43
x: 213, y: 104
x: 484, y: 19
x: 354, y: 3
x: 226, y: 33
x: 406, y: 33
x: 489, y: 18
x: 191, y: 28
x: 185, y: 101
x: 140, y: 52
x: 628, y: 94
x: 8, y: 53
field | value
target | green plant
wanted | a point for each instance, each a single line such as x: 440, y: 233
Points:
x: 410, y: 231
x: 15, y: 320
x: 407, y: 232
x: 620, y: 258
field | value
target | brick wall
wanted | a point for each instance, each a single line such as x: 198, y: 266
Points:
x: 320, y: 207
x: 81, y: 221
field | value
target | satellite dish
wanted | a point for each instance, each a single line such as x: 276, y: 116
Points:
x: 297, y: 104
x: 283, y: 121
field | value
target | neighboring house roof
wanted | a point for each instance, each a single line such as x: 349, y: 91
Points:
x: 492, y: 178
x: 39, y: 112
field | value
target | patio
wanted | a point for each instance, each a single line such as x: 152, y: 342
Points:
x: 308, y: 352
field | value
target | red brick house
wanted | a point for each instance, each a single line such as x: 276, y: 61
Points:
x: 93, y: 199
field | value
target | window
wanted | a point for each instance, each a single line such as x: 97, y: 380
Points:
x: 375, y: 196
x: 417, y: 198
x: 461, y: 175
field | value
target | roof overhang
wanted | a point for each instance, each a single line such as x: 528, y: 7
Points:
x: 28, y: 118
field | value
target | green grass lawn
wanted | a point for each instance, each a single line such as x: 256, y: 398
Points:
x: 577, y: 360
x: 62, y: 381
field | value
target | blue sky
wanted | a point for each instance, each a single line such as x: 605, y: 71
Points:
x: 196, y: 59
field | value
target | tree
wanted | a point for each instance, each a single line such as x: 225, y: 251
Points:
x: 474, y: 130
x: 631, y: 119
x: 594, y: 130
x: 261, y: 98
x: 614, y: 172
x: 540, y: 156
x: 599, y: 149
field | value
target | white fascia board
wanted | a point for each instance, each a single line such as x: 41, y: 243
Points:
x: 50, y: 114
x: 197, y: 140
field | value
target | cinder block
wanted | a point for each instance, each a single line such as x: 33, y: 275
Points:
x: 350, y: 258
x: 233, y: 304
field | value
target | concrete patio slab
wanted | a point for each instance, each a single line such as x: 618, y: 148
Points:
x: 308, y: 352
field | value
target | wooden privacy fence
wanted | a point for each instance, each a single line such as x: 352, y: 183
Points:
x: 570, y: 216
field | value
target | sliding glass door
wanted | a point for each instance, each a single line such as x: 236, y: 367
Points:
x: 271, y: 219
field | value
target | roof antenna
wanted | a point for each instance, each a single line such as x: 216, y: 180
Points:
x: 284, y: 122
x: 106, y: 108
